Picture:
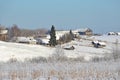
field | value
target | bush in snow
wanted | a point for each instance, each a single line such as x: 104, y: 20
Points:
x: 12, y: 60
x: 58, y: 55
x: 37, y: 60
x: 116, y: 51
x: 78, y: 59
x: 96, y: 59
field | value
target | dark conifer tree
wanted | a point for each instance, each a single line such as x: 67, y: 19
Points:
x: 52, y: 41
x: 71, y: 35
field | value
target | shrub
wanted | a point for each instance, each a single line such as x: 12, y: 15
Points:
x: 116, y: 51
x: 58, y: 55
x: 37, y: 60
x: 12, y: 60
x: 65, y: 38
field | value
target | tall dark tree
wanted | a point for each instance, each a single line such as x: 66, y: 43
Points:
x: 71, y: 35
x: 52, y: 41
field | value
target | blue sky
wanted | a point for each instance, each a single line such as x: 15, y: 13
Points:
x: 99, y: 15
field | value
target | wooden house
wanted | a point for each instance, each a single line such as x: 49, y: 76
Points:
x: 3, y: 34
x: 85, y: 31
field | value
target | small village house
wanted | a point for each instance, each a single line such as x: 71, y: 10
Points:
x: 118, y: 33
x: 114, y: 33
x: 3, y: 33
x: 28, y: 40
x: 82, y: 31
x: 42, y: 41
x: 85, y: 31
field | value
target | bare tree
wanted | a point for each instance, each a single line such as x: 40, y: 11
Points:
x: 67, y: 37
x: 58, y: 54
x: 15, y: 31
x: 36, y: 33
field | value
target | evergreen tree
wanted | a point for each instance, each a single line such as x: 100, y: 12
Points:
x: 71, y: 35
x: 52, y: 41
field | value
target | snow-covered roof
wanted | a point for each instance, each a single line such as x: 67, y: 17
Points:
x: 118, y: 33
x: 58, y: 34
x: 83, y: 30
x: 113, y: 33
x: 46, y: 41
x: 25, y: 39
x: 3, y: 31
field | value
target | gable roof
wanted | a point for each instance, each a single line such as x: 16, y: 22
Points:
x: 83, y: 30
x: 3, y: 30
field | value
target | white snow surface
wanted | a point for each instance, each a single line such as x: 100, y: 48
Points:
x: 108, y: 38
x: 22, y: 51
x: 83, y: 48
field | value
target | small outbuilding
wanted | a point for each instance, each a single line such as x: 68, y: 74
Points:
x: 112, y: 33
x: 28, y: 40
x: 118, y: 33
x: 42, y: 41
x: 98, y: 44
x: 69, y: 48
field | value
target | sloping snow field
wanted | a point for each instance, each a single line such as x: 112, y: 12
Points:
x: 22, y: 51
x: 104, y: 70
x: 83, y: 48
x: 108, y: 38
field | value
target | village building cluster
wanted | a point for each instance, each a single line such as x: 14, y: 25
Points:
x: 36, y: 37
x: 114, y: 33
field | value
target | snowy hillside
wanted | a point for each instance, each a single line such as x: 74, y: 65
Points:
x: 108, y: 38
x: 83, y: 48
x: 66, y: 70
x: 22, y: 51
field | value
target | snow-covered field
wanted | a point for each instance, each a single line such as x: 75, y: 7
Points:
x: 22, y: 51
x: 83, y: 48
x: 56, y: 70
x: 107, y: 38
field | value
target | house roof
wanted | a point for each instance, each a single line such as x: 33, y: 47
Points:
x: 3, y: 31
x: 83, y: 30
x: 25, y: 39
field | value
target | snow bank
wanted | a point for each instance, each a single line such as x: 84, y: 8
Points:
x: 22, y: 51
x: 108, y: 38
